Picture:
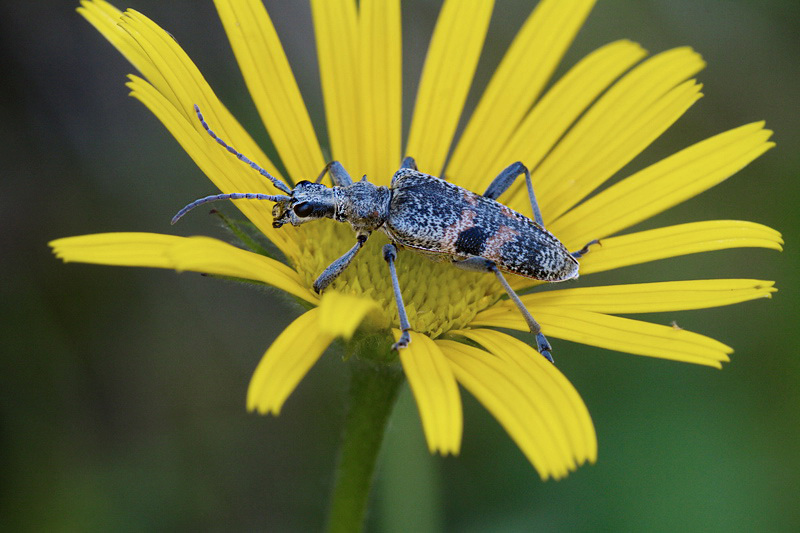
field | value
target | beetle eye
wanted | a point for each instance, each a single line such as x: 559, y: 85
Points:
x: 303, y: 209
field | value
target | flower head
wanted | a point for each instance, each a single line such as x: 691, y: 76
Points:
x: 574, y: 136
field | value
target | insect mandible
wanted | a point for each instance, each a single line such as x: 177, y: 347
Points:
x: 426, y: 214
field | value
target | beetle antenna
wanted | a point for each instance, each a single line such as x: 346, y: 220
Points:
x: 230, y: 196
x: 241, y: 157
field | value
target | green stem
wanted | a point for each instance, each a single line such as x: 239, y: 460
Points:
x: 373, y: 390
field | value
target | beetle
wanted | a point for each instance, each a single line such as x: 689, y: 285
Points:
x: 428, y: 215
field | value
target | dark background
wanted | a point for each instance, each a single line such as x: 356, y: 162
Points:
x: 122, y: 390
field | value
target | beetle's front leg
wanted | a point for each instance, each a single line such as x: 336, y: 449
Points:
x: 484, y: 265
x: 390, y: 255
x: 339, y: 175
x: 338, y: 266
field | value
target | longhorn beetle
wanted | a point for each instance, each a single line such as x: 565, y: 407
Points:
x: 427, y: 214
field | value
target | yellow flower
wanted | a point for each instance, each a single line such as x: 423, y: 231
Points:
x: 575, y: 136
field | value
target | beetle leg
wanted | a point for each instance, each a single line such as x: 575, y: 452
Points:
x: 390, y: 255
x: 504, y: 180
x: 543, y: 346
x: 484, y: 265
x: 580, y: 253
x: 339, y: 175
x: 408, y: 162
x: 338, y: 266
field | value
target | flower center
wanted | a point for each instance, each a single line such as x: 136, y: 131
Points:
x: 438, y: 296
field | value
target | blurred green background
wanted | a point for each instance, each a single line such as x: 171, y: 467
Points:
x: 122, y: 390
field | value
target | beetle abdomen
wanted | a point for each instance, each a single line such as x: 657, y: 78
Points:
x: 430, y: 214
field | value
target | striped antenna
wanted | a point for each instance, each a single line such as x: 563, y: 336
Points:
x: 241, y: 157
x: 231, y: 196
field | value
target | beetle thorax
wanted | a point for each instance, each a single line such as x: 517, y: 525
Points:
x: 364, y: 205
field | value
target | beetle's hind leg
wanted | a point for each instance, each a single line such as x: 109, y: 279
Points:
x: 484, y: 265
x: 542, y: 344
x: 390, y: 255
x: 580, y: 253
x: 504, y: 180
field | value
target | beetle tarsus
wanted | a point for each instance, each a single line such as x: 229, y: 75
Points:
x: 544, y: 348
x: 405, y: 338
x: 580, y: 253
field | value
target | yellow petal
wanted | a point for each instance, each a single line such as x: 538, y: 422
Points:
x: 672, y: 241
x: 646, y: 297
x: 227, y: 173
x: 106, y: 18
x: 664, y: 184
x: 286, y: 362
x: 435, y: 391
x: 341, y: 314
x: 552, y: 116
x: 380, y: 90
x: 175, y: 86
x: 516, y: 84
x: 641, y: 131
x: 548, y: 391
x: 616, y: 333
x: 505, y: 392
x: 446, y: 78
x: 196, y: 254
x: 627, y: 118
x: 272, y: 85
x: 183, y: 86
x: 336, y: 33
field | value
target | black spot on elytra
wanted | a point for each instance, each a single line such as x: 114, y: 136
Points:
x: 471, y: 241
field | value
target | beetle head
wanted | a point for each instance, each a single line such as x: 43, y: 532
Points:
x: 309, y: 201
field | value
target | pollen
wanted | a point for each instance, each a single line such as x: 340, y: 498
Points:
x: 438, y: 297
